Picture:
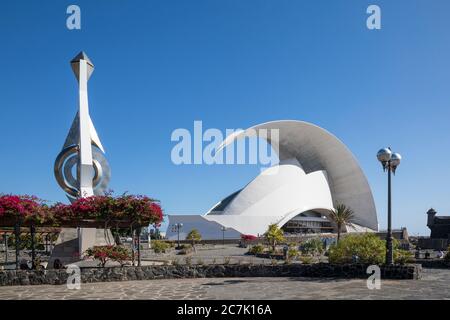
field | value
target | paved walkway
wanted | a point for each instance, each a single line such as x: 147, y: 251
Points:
x: 434, y: 285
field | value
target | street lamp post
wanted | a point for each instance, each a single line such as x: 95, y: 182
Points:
x: 390, y: 161
x: 223, y: 234
x: 17, y: 240
x: 6, y: 247
x: 33, y: 246
x: 139, y: 245
x: 178, y: 227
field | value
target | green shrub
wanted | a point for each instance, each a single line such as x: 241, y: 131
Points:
x: 185, y: 249
x: 312, y: 247
x: 159, y: 246
x: 276, y: 251
x: 306, y: 259
x: 403, y: 256
x: 368, y: 247
x: 292, y: 253
x: 256, y: 249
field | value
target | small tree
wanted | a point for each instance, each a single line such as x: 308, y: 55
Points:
x: 341, y: 216
x: 194, y: 236
x: 109, y: 252
x: 274, y: 235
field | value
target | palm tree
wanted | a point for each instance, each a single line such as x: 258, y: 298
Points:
x: 341, y: 215
x: 274, y: 235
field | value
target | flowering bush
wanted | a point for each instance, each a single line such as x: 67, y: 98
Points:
x: 22, y: 208
x: 141, y: 210
x: 106, y: 253
x: 132, y: 209
x: 248, y: 237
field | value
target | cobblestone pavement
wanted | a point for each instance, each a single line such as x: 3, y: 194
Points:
x: 434, y: 285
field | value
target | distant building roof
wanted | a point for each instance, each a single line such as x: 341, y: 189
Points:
x: 439, y: 225
x: 399, y: 234
x: 442, y: 220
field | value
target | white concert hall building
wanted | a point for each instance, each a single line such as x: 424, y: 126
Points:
x: 315, y: 172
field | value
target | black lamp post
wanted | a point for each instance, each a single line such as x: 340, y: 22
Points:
x: 17, y: 240
x: 33, y: 246
x: 223, y: 234
x: 139, y: 245
x: 390, y: 161
x: 6, y: 247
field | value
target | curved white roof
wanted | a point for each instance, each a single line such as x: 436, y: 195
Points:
x: 275, y: 196
x: 316, y: 171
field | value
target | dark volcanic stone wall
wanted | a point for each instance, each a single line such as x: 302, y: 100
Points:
x: 320, y: 270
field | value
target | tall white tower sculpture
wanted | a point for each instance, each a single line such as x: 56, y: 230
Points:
x: 83, y: 68
x: 82, y: 153
x: 82, y: 147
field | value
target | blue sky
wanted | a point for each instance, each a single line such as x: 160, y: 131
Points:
x: 160, y: 65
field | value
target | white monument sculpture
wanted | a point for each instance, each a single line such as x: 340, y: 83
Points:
x: 83, y: 153
x: 82, y: 147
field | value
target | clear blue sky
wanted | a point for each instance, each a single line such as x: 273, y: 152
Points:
x: 160, y: 65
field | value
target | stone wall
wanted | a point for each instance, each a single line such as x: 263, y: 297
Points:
x: 434, y: 263
x: 320, y: 270
x: 435, y: 244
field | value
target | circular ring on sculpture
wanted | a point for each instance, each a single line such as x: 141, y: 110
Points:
x: 68, y: 158
x: 58, y: 169
x: 98, y: 173
x: 104, y: 172
x: 72, y: 160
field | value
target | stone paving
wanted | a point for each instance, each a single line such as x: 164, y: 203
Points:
x: 434, y: 285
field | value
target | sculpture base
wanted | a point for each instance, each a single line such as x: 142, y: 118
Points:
x: 73, y: 242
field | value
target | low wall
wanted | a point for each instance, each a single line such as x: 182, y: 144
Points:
x: 435, y: 244
x: 320, y: 270
x: 434, y: 263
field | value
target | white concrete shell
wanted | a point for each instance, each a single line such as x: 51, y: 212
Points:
x: 276, y: 195
x: 316, y: 171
